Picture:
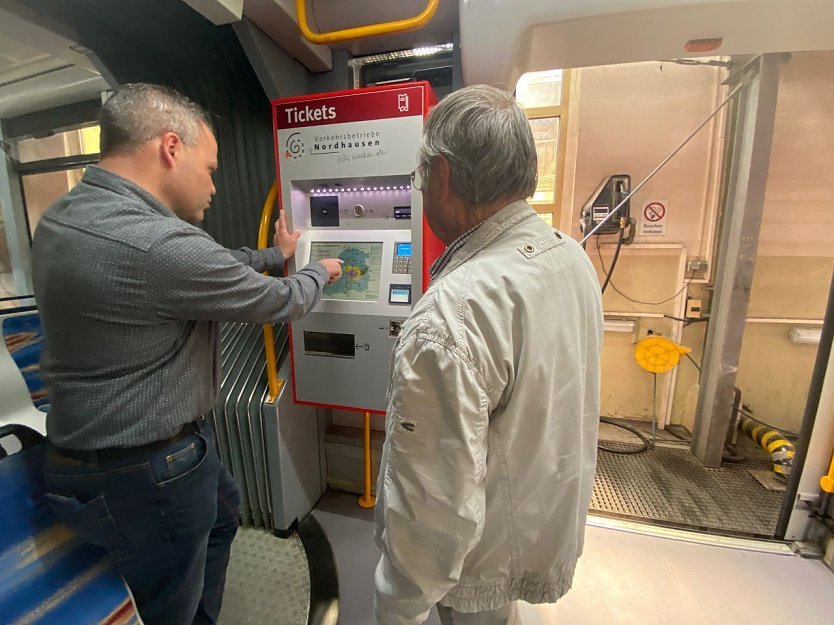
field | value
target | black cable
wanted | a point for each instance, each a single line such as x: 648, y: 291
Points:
x: 768, y: 425
x: 680, y: 437
x: 731, y: 455
x: 686, y: 320
x: 643, y: 447
x: 637, y: 301
x: 747, y: 414
x: 610, y: 271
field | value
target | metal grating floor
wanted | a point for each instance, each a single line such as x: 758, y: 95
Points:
x: 669, y: 486
x: 268, y: 581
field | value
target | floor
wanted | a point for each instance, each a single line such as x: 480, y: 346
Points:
x: 627, y: 576
x: 669, y: 486
x: 631, y: 572
x: 267, y: 576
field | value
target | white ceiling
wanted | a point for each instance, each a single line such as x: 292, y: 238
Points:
x: 41, y: 64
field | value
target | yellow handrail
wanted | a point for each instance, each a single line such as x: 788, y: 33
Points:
x: 827, y: 481
x: 385, y: 28
x: 269, y: 335
x: 367, y: 500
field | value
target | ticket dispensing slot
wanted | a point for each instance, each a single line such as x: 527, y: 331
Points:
x: 329, y: 344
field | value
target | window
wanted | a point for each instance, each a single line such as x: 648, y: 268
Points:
x: 41, y: 190
x: 545, y: 98
x: 51, y: 166
x: 68, y: 143
x: 40, y: 169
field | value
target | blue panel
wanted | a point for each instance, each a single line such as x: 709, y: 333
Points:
x: 24, y: 338
x: 403, y: 249
x: 47, y: 575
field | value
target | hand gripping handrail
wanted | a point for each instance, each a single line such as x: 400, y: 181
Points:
x: 384, y: 28
x: 272, y: 198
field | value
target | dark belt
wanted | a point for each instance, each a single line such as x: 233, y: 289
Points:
x: 107, y: 454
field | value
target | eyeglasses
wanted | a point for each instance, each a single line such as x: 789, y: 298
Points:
x: 418, y: 179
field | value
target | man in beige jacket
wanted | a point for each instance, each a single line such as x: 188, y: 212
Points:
x: 493, y: 409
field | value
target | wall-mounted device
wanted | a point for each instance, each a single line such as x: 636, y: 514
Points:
x: 344, y: 161
x: 603, y: 202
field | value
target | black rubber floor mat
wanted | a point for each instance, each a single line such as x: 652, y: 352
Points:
x: 671, y: 487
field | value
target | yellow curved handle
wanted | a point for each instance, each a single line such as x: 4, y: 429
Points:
x: 269, y: 335
x: 385, y: 28
x: 827, y: 481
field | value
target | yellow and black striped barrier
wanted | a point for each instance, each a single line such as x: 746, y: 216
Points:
x: 780, y: 449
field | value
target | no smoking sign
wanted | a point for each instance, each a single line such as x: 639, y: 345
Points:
x: 653, y: 218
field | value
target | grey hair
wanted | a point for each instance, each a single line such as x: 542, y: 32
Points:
x: 486, y: 137
x: 139, y: 112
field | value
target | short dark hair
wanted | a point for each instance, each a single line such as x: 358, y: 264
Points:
x: 138, y: 112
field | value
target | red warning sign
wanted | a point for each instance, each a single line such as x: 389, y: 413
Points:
x: 654, y: 211
x: 653, y: 222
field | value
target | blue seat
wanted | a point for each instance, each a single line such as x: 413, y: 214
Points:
x: 47, y: 575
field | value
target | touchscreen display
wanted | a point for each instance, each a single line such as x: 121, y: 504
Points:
x: 360, y: 272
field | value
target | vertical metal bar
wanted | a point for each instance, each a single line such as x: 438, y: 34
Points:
x: 737, y: 258
x: 811, y: 455
x: 367, y: 500
x: 14, y: 216
x: 272, y: 197
x: 654, y: 410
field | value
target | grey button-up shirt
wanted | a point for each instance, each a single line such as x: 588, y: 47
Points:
x: 129, y: 297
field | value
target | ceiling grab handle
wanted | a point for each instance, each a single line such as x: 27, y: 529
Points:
x: 269, y: 335
x: 385, y: 28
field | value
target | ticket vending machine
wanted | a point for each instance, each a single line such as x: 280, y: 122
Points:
x: 344, y: 161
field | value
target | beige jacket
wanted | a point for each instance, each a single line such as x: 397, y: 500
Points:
x: 492, y: 421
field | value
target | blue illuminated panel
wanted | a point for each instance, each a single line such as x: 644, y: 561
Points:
x: 403, y: 249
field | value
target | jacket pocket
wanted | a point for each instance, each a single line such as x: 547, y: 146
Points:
x: 91, y: 520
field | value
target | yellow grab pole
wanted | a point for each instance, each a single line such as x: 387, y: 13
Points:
x: 367, y: 500
x: 827, y: 481
x: 384, y: 28
x: 269, y: 336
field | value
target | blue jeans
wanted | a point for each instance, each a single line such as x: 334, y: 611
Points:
x: 167, y: 517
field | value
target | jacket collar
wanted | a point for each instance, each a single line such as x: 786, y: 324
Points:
x: 98, y: 177
x: 490, y: 230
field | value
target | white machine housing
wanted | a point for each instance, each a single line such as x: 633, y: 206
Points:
x: 344, y: 162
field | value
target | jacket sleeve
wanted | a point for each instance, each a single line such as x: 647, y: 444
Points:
x: 270, y: 259
x: 190, y: 276
x: 431, y: 510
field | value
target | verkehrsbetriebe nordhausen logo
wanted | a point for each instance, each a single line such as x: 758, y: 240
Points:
x: 294, y: 147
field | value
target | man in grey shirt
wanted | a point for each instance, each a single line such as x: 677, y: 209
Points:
x: 130, y: 294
